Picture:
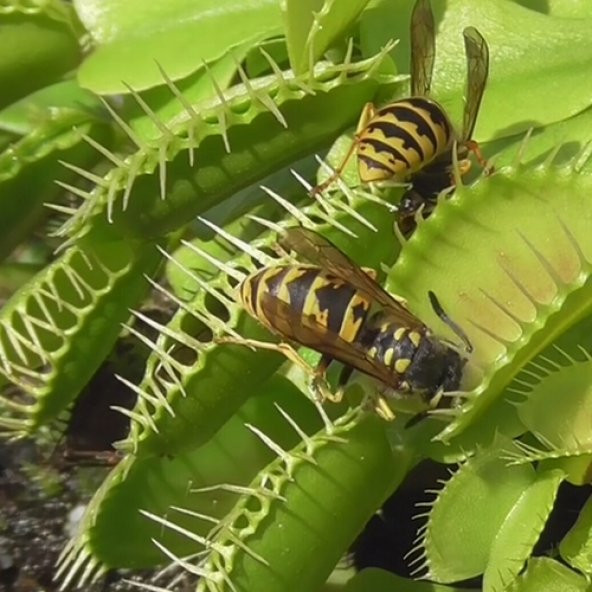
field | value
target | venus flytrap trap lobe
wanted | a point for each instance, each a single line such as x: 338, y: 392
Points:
x: 49, y: 322
x: 532, y: 287
x: 566, y: 442
x: 28, y: 165
x: 240, y: 105
x: 221, y: 287
x: 230, y: 544
x: 192, y: 490
x: 150, y: 425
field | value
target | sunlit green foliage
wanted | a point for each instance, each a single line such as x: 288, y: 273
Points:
x: 147, y: 129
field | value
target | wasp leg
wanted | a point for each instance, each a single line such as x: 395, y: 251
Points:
x: 464, y: 166
x: 382, y: 409
x: 435, y: 400
x: 343, y: 378
x: 433, y: 403
x: 319, y: 380
x: 370, y: 272
x: 474, y: 147
x: 318, y: 384
x: 367, y: 114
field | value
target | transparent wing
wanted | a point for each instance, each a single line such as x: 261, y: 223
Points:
x: 307, y: 331
x: 319, y: 251
x: 423, y: 48
x: 477, y: 54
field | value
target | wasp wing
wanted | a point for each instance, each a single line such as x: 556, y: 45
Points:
x: 320, y: 251
x: 423, y: 48
x: 307, y: 330
x: 477, y: 54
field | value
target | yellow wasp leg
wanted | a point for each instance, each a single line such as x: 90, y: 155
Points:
x: 372, y: 273
x: 435, y: 400
x: 379, y: 404
x: 464, y: 166
x: 367, y: 114
x: 382, y: 409
x: 318, y: 383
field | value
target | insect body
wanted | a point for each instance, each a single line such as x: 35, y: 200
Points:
x: 338, y: 309
x: 401, y: 138
x: 414, y: 135
x: 422, y: 197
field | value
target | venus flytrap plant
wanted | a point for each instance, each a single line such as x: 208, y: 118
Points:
x: 26, y: 166
x: 240, y: 131
x: 215, y: 307
x: 293, y: 500
x: 65, y: 312
x: 165, y: 486
x: 470, y: 202
x: 509, y: 257
x: 543, y: 193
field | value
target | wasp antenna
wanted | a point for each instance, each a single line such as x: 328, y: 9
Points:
x: 448, y: 321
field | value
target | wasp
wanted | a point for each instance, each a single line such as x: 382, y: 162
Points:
x: 335, y: 307
x: 414, y: 136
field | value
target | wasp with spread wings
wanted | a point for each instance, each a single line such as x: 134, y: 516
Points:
x: 337, y: 308
x: 414, y: 136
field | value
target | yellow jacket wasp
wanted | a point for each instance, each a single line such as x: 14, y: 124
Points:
x: 412, y: 139
x: 338, y: 309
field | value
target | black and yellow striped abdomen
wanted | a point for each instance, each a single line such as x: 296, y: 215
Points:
x: 335, y: 306
x: 417, y: 362
x: 401, y: 138
x: 309, y: 306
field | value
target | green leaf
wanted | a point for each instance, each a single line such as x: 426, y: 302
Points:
x: 521, y: 530
x: 180, y: 35
x: 38, y: 45
x: 35, y: 109
x: 468, y: 513
x: 534, y: 58
x: 378, y: 580
x: 576, y: 546
x: 548, y: 575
